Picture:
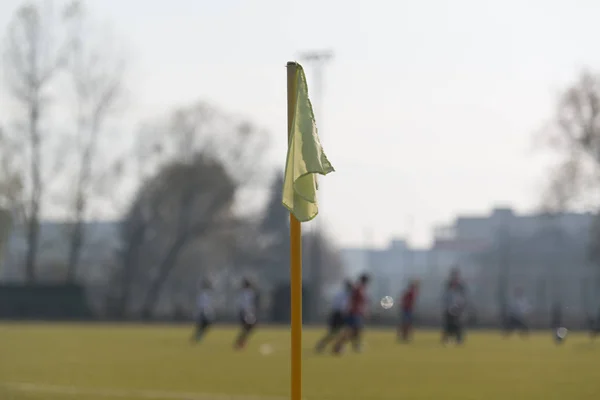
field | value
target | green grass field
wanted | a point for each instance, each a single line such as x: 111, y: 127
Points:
x: 93, y: 362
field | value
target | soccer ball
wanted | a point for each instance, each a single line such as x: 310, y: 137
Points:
x: 266, y: 349
x: 387, y: 302
x: 560, y: 335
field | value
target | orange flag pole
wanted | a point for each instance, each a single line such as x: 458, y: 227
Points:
x: 295, y: 259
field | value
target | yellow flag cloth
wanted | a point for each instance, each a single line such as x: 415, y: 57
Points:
x: 305, y: 157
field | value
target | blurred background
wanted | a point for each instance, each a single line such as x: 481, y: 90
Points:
x: 142, y: 146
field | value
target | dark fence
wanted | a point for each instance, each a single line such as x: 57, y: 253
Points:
x: 69, y: 303
x: 44, y: 302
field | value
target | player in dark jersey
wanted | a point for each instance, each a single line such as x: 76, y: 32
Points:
x: 248, y: 309
x: 339, y: 315
x: 455, y: 304
x: 357, y: 312
x: 205, y: 313
x: 407, y: 304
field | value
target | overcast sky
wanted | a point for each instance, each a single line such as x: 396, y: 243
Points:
x: 429, y: 107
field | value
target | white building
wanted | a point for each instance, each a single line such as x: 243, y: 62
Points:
x: 483, y: 230
x: 495, y: 253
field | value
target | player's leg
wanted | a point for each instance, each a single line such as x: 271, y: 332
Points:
x: 346, y: 334
x: 199, y: 328
x: 239, y: 340
x: 341, y: 340
x: 204, y: 324
x: 401, y: 327
x: 407, y: 320
x: 357, y: 333
x: 453, y: 329
x: 247, y: 323
x: 446, y: 328
x: 523, y: 327
x: 335, y: 323
x: 459, y: 330
x: 242, y: 338
x: 197, y: 331
x: 401, y: 332
x: 592, y: 325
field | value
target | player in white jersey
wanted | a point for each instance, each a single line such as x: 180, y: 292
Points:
x: 205, y: 311
x: 338, y: 316
x: 518, y: 311
x: 248, y: 307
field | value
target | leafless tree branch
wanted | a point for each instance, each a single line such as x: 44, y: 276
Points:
x: 97, y: 81
x: 32, y: 59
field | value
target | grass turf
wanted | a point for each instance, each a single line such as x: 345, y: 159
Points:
x: 103, y: 362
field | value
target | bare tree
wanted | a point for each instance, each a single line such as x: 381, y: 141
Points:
x: 194, y: 167
x: 185, y: 202
x: 32, y: 59
x: 135, y: 231
x: 96, y: 77
x: 10, y: 191
x: 575, y: 136
x: 200, y: 203
x: 11, y: 185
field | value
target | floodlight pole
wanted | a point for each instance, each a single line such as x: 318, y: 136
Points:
x: 318, y: 59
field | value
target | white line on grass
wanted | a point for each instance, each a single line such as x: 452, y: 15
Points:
x: 135, y: 394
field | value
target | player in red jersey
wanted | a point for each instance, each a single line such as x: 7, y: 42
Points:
x: 407, y: 304
x: 357, y: 312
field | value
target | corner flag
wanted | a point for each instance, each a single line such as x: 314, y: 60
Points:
x: 305, y: 157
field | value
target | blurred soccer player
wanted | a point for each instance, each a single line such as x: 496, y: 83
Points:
x: 339, y: 315
x: 455, y: 304
x: 357, y: 311
x: 205, y: 311
x: 518, y: 310
x: 248, y: 307
x: 407, y: 304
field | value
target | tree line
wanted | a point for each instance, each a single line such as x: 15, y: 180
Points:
x: 178, y: 188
